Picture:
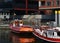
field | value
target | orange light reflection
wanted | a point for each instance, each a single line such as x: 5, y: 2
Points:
x: 26, y: 40
x: 18, y: 39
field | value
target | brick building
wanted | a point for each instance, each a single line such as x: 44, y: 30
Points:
x: 49, y: 4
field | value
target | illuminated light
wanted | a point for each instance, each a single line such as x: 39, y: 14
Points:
x: 39, y: 3
x: 56, y: 12
x: 59, y: 12
x: 14, y: 14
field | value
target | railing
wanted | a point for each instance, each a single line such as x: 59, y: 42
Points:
x: 4, y: 22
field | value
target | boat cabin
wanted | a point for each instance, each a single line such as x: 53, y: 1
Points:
x: 17, y: 23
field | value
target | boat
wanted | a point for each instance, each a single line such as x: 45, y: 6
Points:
x: 48, y: 33
x: 18, y: 26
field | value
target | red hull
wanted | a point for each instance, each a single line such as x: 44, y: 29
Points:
x: 46, y: 38
x: 24, y: 28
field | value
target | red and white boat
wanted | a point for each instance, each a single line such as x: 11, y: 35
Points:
x: 18, y: 26
x: 48, y: 34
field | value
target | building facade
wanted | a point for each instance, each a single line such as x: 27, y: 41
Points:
x: 49, y: 4
x: 46, y: 8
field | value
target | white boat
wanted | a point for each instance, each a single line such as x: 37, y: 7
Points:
x: 48, y: 34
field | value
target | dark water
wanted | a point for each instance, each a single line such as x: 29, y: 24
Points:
x: 6, y: 36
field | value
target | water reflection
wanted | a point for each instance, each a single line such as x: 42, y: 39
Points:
x: 15, y: 38
x: 8, y: 37
x: 26, y: 40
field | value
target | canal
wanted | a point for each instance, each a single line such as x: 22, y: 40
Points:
x: 6, y: 36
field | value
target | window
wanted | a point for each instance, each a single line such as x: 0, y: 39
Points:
x: 33, y: 4
x: 42, y: 3
x: 57, y: 2
x: 52, y: 2
x: 48, y: 3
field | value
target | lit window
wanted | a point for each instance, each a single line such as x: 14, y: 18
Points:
x: 39, y: 3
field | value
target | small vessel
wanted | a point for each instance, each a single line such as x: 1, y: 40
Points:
x: 47, y: 32
x: 19, y: 26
